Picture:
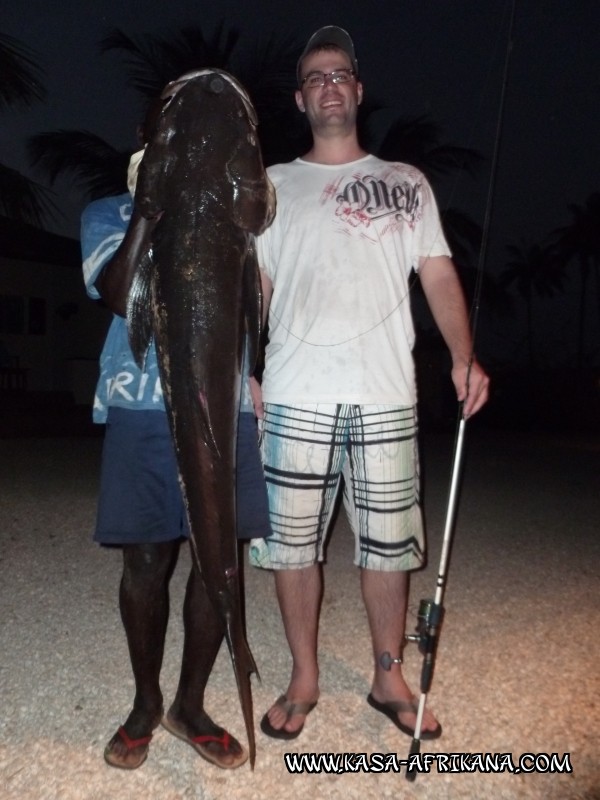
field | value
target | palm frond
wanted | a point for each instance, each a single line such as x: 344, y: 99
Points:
x: 533, y: 268
x: 463, y: 234
x: 96, y: 166
x: 24, y: 199
x: 417, y: 140
x: 154, y: 61
x: 582, y: 236
x: 20, y: 84
x: 268, y: 72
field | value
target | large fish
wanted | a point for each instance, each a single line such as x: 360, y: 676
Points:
x: 197, y: 293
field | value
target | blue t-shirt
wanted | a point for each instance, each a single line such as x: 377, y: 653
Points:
x: 121, y: 383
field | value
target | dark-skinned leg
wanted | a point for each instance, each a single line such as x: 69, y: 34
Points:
x: 144, y: 606
x: 186, y: 718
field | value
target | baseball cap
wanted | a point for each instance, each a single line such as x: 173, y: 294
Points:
x: 330, y: 34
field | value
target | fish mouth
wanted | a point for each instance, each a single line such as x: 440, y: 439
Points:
x: 171, y: 89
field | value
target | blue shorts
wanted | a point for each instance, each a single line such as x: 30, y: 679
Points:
x: 140, y: 499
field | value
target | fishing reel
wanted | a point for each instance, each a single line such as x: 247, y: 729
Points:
x: 429, y: 620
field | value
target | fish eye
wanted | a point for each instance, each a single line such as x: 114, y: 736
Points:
x: 217, y: 85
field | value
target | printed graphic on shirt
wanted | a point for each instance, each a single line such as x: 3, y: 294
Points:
x: 122, y: 383
x: 129, y: 385
x: 364, y: 199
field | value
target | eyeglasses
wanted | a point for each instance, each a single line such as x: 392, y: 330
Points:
x: 315, y: 79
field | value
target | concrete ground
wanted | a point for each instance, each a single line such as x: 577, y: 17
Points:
x: 517, y: 669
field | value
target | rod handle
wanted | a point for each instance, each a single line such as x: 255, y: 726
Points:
x: 415, y: 749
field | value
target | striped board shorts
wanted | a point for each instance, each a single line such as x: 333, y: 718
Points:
x: 308, y: 451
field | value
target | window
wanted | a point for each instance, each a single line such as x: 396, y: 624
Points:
x: 21, y: 315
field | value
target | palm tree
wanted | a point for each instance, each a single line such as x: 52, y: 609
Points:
x: 419, y: 141
x: 20, y: 87
x: 98, y: 168
x: 580, y: 242
x: 152, y: 61
x: 533, y: 269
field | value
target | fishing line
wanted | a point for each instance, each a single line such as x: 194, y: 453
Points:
x: 475, y: 309
x: 431, y: 612
x: 474, y: 314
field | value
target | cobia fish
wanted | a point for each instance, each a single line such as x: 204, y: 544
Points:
x: 198, y: 293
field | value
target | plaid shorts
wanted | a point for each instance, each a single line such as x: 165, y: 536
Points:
x: 307, y: 451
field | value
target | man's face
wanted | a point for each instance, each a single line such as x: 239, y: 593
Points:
x: 331, y: 107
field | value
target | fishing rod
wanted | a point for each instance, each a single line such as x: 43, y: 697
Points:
x: 431, y: 611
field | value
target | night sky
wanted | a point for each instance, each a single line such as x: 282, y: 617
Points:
x: 443, y: 58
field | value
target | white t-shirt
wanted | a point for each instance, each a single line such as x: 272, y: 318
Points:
x: 339, y: 255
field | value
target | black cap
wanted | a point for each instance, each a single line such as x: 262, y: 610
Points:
x: 330, y: 34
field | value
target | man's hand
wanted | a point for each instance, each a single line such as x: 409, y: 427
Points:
x: 114, y: 281
x: 256, y: 394
x: 472, y: 387
x: 447, y: 303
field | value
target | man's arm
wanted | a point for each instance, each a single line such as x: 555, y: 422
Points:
x: 267, y: 292
x: 114, y: 281
x: 255, y: 390
x: 447, y: 303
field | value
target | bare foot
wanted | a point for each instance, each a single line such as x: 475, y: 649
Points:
x: 288, y: 713
x: 284, y: 711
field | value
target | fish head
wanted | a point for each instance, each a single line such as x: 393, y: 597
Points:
x: 208, y: 134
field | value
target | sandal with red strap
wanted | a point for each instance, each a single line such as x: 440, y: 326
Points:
x: 199, y: 743
x: 127, y: 761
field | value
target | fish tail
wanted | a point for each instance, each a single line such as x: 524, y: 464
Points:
x: 243, y: 666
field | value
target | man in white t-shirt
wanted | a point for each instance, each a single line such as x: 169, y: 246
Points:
x: 339, y: 384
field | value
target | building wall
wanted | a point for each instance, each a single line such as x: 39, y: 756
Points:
x: 60, y: 348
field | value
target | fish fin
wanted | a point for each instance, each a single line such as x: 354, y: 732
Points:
x: 208, y: 435
x: 139, y: 310
x: 252, y: 304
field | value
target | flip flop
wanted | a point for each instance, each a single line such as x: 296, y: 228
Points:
x: 130, y: 744
x: 291, y: 710
x: 199, y: 744
x: 391, y: 710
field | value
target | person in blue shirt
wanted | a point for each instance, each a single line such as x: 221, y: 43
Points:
x: 141, y: 508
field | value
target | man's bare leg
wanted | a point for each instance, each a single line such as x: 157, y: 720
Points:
x: 299, y: 592
x: 386, y: 597
x: 144, y: 606
x: 187, y: 718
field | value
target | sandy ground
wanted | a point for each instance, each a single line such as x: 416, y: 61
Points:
x: 517, y: 669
